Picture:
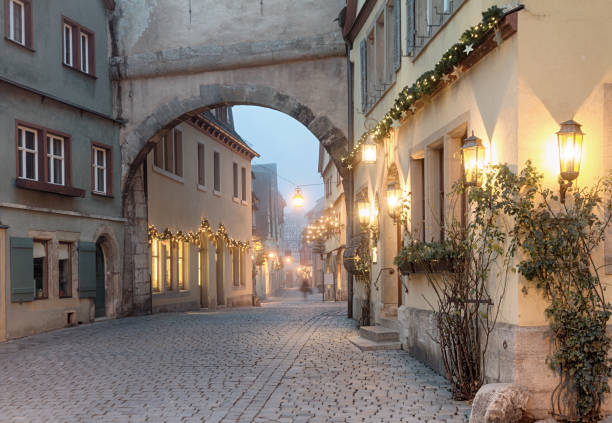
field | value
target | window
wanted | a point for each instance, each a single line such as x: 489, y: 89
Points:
x: 235, y: 179
x: 64, y: 266
x: 43, y: 160
x: 155, y: 266
x: 55, y: 160
x: 201, y: 166
x: 40, y: 269
x: 101, y: 169
x: 18, y: 22
x: 244, y: 184
x: 68, y: 51
x: 381, y: 54
x: 180, y: 266
x: 417, y: 179
x: 78, y: 47
x: 168, y: 153
x: 167, y: 257
x: 217, y: 171
x: 27, y: 148
x: 236, y: 266
x: 242, y: 267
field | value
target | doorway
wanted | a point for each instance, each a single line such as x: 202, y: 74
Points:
x: 220, y: 264
x: 100, y: 301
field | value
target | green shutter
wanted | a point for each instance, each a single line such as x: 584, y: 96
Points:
x: 363, y: 50
x: 87, y: 269
x: 22, y: 269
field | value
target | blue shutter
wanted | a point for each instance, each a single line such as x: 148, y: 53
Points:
x: 364, y: 74
x: 87, y: 269
x: 411, y: 28
x: 397, y: 56
x: 22, y: 269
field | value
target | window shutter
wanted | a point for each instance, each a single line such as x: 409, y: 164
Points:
x: 397, y: 56
x: 364, y: 76
x: 22, y: 269
x: 410, y: 28
x: 87, y: 269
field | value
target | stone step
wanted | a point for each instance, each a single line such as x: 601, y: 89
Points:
x: 379, y: 334
x: 367, y: 345
x: 389, y: 323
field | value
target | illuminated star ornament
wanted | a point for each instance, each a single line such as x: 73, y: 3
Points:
x: 456, y: 71
x: 468, y: 49
x: 412, y: 108
x: 445, y: 78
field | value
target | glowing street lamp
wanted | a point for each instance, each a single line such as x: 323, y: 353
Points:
x: 569, y: 139
x: 394, y: 200
x: 298, y: 198
x: 368, y: 152
x: 473, y: 157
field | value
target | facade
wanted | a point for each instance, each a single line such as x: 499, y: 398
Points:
x: 198, y: 183
x: 268, y: 222
x: 62, y: 227
x: 311, y: 257
x: 334, y: 273
x: 505, y: 97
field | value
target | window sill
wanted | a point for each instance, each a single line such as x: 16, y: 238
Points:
x: 101, y: 194
x: 244, y: 203
x: 92, y: 76
x: 202, y: 188
x: 236, y: 200
x: 217, y: 193
x: 64, y: 298
x: 169, y: 175
x: 46, y: 187
x: 15, y: 43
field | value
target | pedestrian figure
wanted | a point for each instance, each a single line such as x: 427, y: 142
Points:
x: 305, y: 288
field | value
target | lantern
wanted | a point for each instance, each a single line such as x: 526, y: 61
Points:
x: 569, y: 138
x: 298, y: 198
x: 473, y: 157
x: 364, y: 212
x: 368, y: 152
x: 394, y: 199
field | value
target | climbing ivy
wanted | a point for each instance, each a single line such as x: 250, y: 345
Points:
x: 558, y: 241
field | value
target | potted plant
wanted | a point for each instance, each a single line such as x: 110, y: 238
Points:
x: 421, y: 257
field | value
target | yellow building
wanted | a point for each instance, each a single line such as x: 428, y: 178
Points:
x: 544, y: 62
x: 199, y: 202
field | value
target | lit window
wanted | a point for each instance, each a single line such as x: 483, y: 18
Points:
x: 155, y: 266
x: 55, y: 160
x: 236, y: 266
x: 167, y: 265
x: 180, y: 266
x: 27, y: 148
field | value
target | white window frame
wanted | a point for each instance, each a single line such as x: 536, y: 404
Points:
x: 71, y: 55
x: 52, y: 155
x: 97, y: 167
x: 12, y: 20
x: 21, y: 147
x: 84, y: 57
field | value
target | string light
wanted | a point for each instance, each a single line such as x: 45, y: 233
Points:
x: 194, y: 237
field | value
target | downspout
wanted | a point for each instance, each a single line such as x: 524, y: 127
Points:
x: 350, y: 185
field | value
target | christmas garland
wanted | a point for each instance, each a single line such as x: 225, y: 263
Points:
x: 447, y: 69
x: 194, y: 237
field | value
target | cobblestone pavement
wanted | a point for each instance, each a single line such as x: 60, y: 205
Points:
x: 288, y: 361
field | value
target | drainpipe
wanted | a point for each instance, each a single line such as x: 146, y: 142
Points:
x: 350, y: 182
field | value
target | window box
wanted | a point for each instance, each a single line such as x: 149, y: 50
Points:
x: 433, y: 266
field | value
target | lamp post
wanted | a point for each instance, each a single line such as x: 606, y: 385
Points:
x: 473, y: 157
x: 569, y: 139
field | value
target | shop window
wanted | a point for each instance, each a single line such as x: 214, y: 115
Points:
x: 40, y: 254
x: 18, y: 22
x: 180, y: 265
x: 167, y: 271
x: 242, y: 267
x: 236, y: 266
x: 64, y: 266
x: 155, y: 266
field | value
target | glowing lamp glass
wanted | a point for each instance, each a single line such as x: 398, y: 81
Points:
x: 368, y: 153
x: 473, y: 158
x: 394, y: 199
x: 298, y: 199
x: 569, y: 139
x: 364, y: 212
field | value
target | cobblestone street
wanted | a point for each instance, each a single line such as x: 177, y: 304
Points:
x: 288, y: 361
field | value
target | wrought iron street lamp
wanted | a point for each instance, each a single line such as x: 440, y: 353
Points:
x: 569, y: 139
x: 364, y: 212
x: 394, y: 200
x: 473, y: 157
x: 368, y: 151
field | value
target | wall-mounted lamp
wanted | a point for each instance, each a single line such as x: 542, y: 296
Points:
x: 473, y: 157
x: 394, y: 200
x: 368, y: 151
x: 364, y: 212
x: 569, y: 139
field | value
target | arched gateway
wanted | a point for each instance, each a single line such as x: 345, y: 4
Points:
x: 174, y: 59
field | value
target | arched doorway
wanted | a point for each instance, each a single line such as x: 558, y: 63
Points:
x: 100, y: 300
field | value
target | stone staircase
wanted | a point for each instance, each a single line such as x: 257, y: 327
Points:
x: 375, y: 338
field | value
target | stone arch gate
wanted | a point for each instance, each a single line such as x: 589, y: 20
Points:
x: 174, y: 58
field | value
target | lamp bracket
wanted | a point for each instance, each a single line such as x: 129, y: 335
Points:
x: 563, y: 187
